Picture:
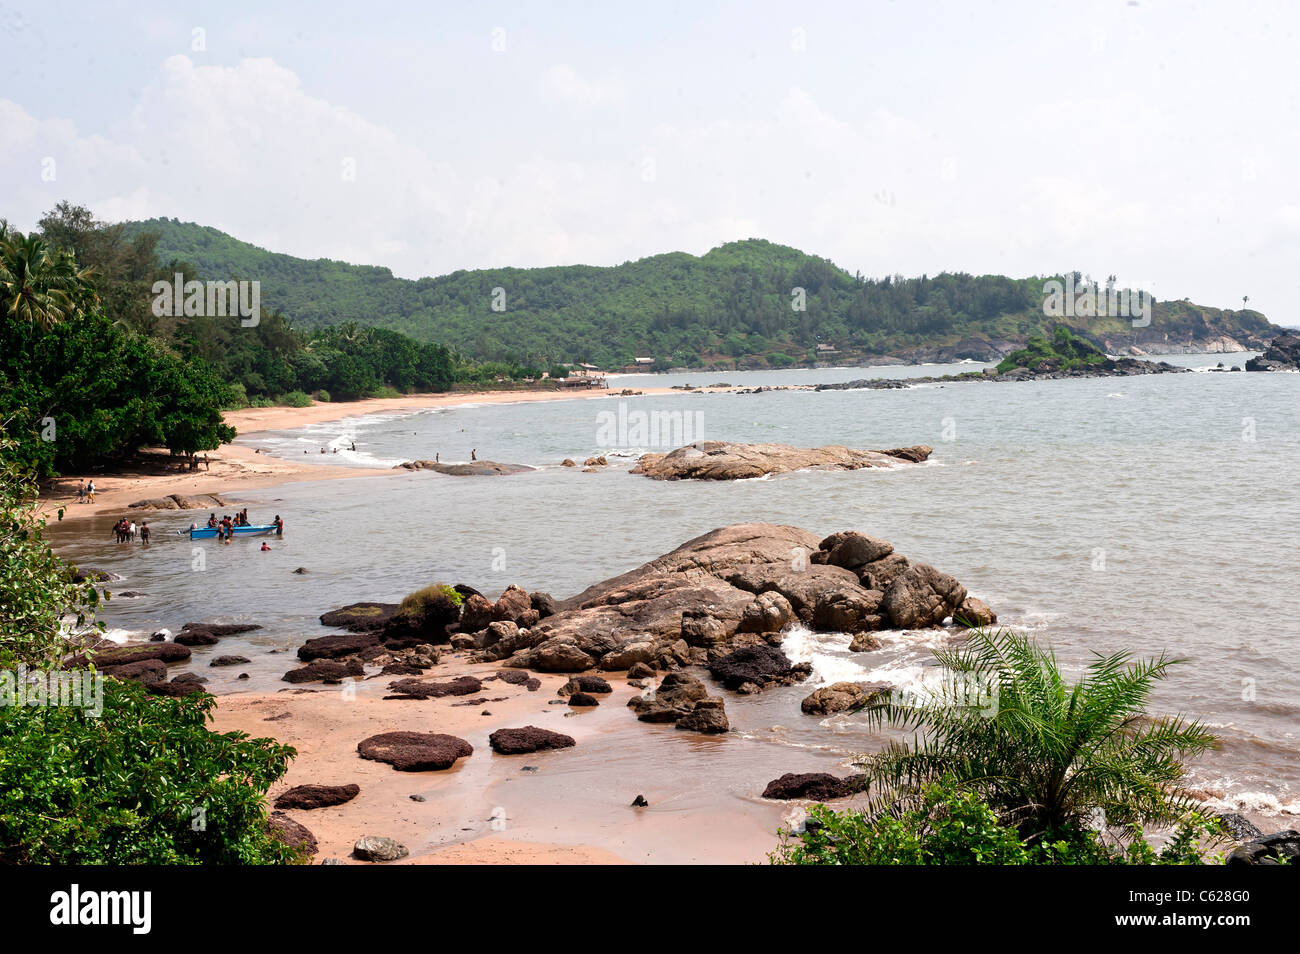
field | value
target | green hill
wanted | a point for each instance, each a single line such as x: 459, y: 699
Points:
x: 733, y: 304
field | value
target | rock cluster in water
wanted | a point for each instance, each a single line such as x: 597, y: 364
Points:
x: 723, y: 460
x: 1282, y: 355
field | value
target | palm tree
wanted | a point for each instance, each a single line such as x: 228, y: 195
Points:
x: 37, y: 285
x: 1046, y: 754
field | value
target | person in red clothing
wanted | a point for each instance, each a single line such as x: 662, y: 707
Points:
x: 279, y: 526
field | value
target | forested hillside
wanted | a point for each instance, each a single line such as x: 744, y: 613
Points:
x: 736, y: 303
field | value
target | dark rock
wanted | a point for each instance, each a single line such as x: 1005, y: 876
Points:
x: 294, y: 835
x: 1282, y: 355
x: 759, y: 666
x: 640, y: 802
x: 89, y: 574
x: 307, y: 797
x: 590, y: 684
x: 415, y: 751
x: 418, y: 689
x: 706, y: 717
x: 678, y: 696
x: 527, y: 739
x: 817, y: 786
x: 1267, y: 850
x: 229, y: 661
x: 475, y: 614
x: 640, y: 671
x: 544, y: 603
x: 220, y: 629
x: 325, y: 670
x: 146, y: 671
x: 113, y: 655
x: 852, y: 550
x: 478, y: 468
x: 196, y: 637
x: 334, y: 647
x: 359, y: 617
x: 581, y: 700
x: 1239, y: 828
x: 183, y: 685
x: 514, y: 677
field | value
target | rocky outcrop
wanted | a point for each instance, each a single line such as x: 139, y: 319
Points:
x: 308, y: 797
x: 230, y: 661
x: 360, y: 617
x: 817, y: 786
x: 589, y: 684
x: 729, y: 589
x: 146, y: 671
x: 721, y: 460
x: 476, y: 468
x: 415, y: 751
x: 1282, y: 355
x: 337, y: 646
x: 185, y: 684
x: 678, y: 698
x: 527, y: 739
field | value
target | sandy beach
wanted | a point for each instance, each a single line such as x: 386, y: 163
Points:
x: 235, y: 467
x: 488, y: 808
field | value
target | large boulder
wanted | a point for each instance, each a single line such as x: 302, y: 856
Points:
x: 515, y: 606
x: 146, y: 671
x: 424, y: 616
x: 848, y: 610
x: 378, y: 848
x: 284, y: 828
x: 553, y: 655
x: 475, y: 614
x: 709, y: 717
x: 751, y: 668
x: 527, y: 739
x: 415, y: 751
x: 921, y: 596
x: 109, y: 654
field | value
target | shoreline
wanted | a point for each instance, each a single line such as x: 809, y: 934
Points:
x: 236, y: 467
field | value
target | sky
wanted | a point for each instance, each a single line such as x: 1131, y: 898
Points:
x: 1155, y: 141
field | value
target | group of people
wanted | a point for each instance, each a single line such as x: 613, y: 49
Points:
x: 125, y: 530
x: 85, y: 494
x: 225, y: 527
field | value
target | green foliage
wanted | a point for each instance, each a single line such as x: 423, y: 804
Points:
x: 296, y: 399
x: 1045, y: 753
x: 950, y: 826
x: 323, y: 396
x: 144, y: 783
x: 687, y: 310
x: 1065, y: 351
x: 37, y: 591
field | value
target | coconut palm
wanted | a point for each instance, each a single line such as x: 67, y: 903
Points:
x: 1045, y: 753
x: 38, y: 285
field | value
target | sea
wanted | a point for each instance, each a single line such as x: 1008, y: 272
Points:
x: 1153, y: 515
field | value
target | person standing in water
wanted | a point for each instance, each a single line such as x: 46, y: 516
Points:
x: 473, y: 455
x: 279, y: 526
x: 144, y: 532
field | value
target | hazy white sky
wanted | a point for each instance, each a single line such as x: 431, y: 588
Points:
x: 1153, y: 140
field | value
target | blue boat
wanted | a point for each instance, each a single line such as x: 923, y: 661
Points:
x: 208, y: 533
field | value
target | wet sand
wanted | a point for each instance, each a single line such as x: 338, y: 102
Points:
x: 568, y: 806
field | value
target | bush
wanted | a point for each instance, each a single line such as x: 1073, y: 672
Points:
x: 427, y: 611
x: 952, y: 827
x: 144, y: 783
x: 384, y: 391
x: 323, y: 395
x: 296, y: 399
x: 237, y: 397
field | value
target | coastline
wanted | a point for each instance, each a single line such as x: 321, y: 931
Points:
x: 235, y: 467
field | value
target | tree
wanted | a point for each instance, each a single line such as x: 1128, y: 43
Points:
x: 1052, y: 754
x: 36, y: 283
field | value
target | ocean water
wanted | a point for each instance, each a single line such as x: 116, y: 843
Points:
x: 1153, y: 514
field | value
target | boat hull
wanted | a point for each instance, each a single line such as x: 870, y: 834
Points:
x: 208, y: 533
